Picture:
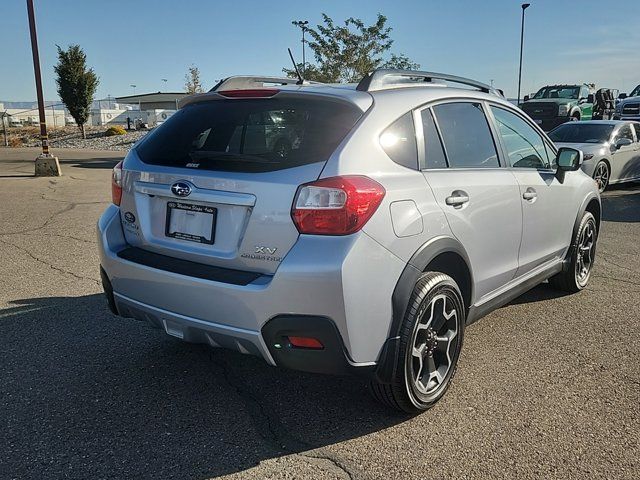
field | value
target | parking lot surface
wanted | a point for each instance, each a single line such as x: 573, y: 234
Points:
x: 547, y: 387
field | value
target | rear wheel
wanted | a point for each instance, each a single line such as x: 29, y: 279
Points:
x: 601, y: 175
x: 575, y: 117
x: 583, y: 254
x: 430, y: 343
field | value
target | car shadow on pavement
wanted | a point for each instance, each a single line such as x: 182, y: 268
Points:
x: 542, y: 292
x: 86, y: 394
x: 106, y: 163
x: 621, y: 203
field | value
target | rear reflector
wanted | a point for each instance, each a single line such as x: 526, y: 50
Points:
x: 306, y: 342
x: 336, y: 205
x: 116, y: 184
x: 250, y: 93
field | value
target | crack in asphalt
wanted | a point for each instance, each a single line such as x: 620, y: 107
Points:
x: 270, y: 428
x: 50, y: 265
x: 615, y: 279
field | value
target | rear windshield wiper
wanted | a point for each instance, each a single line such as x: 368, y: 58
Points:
x: 228, y: 157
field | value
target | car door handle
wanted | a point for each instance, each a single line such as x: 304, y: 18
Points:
x: 457, y: 198
x: 530, y: 194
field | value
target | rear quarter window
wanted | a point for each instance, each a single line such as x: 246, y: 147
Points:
x: 250, y: 135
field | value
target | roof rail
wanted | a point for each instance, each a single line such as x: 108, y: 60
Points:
x: 245, y: 82
x: 383, y: 78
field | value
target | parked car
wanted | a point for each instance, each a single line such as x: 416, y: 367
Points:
x: 629, y: 106
x: 611, y: 149
x: 556, y: 104
x: 408, y: 209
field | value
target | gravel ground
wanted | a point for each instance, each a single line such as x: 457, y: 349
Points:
x: 70, y: 137
x: 547, y: 387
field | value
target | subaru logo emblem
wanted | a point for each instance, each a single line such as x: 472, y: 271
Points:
x: 181, y: 189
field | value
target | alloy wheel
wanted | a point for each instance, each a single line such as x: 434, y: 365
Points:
x: 586, y: 252
x: 601, y: 176
x: 434, y: 342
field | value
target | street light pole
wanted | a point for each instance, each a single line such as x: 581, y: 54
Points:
x: 524, y: 7
x: 46, y: 164
x: 303, y: 26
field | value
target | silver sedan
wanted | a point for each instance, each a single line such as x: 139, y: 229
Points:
x: 611, y: 148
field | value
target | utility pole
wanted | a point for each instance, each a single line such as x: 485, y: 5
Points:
x: 46, y: 164
x: 303, y: 26
x: 4, y: 129
x: 524, y: 7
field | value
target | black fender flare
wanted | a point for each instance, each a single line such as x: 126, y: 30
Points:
x: 387, y: 360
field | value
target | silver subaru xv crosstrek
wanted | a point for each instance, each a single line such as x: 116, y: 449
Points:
x: 345, y: 229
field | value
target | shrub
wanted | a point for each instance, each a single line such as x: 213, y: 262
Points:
x: 115, y: 130
x: 15, y: 141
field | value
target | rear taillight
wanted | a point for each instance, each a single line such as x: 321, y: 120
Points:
x: 336, y: 205
x: 116, y: 184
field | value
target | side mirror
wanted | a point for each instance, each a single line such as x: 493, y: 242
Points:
x: 568, y: 160
x: 622, y: 96
x: 526, y: 98
x: 590, y: 98
x: 622, y: 142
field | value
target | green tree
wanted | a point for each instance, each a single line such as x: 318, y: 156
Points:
x: 345, y: 53
x: 192, y: 83
x: 77, y: 84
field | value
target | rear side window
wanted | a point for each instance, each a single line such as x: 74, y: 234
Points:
x: 250, y: 135
x: 434, y: 154
x: 466, y: 135
x: 399, y: 142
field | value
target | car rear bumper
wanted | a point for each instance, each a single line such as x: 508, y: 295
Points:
x: 348, y: 280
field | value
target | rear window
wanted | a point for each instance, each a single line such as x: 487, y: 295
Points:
x: 250, y: 135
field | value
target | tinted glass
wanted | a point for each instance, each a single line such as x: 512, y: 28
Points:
x: 250, y: 135
x: 466, y: 135
x: 524, y: 145
x: 577, y: 132
x: 557, y: 91
x: 624, y: 132
x: 399, y: 141
x: 635, y: 92
x: 434, y: 154
x: 636, y: 126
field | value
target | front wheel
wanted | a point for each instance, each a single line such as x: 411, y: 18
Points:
x: 430, y: 343
x: 582, y: 256
x: 601, y: 175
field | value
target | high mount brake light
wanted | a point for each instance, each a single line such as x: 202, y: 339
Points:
x: 116, y: 184
x: 250, y: 93
x: 336, y: 205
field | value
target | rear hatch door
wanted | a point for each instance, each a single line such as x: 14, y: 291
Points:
x: 215, y: 183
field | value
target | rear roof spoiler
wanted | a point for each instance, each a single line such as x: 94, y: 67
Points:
x: 247, y: 82
x: 384, y: 78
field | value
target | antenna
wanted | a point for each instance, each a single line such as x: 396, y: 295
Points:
x: 295, y: 66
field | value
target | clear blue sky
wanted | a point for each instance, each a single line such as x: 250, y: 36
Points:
x: 142, y: 41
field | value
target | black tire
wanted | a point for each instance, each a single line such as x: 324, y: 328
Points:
x: 575, y: 117
x: 441, y: 348
x: 602, y: 174
x: 574, y: 278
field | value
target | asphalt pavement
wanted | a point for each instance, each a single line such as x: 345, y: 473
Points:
x: 547, y: 387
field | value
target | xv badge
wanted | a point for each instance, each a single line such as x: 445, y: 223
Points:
x: 265, y: 250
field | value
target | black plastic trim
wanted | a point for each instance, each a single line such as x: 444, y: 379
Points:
x: 186, y: 267
x: 108, y: 291
x: 333, y: 359
x: 387, y: 361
